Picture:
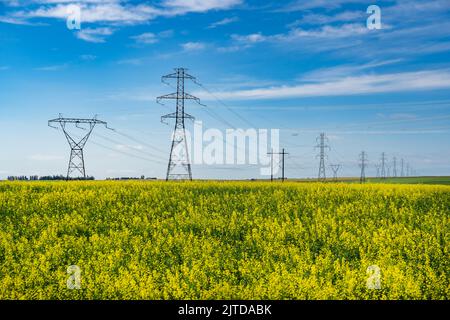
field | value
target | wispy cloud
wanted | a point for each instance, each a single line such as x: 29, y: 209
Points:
x: 145, y: 38
x: 193, y: 46
x: 185, y: 6
x: 342, y: 71
x: 320, y: 19
x: 300, y: 5
x: 352, y: 85
x: 115, y: 12
x: 96, y: 35
x: 222, y: 22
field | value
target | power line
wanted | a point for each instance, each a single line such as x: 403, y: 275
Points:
x: 130, y: 147
x: 120, y: 151
x: 225, y: 105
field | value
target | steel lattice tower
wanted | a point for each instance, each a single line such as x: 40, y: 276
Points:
x: 335, y: 168
x: 383, y: 166
x: 394, y: 173
x: 322, y: 139
x: 283, y: 154
x: 179, y: 167
x: 402, y: 173
x: 76, y: 161
x: 363, y: 159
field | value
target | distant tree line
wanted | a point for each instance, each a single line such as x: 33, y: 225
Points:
x: 46, y: 178
x: 131, y: 178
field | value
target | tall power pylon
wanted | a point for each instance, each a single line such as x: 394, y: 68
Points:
x: 322, y: 146
x: 394, y: 163
x: 179, y: 167
x: 283, y: 154
x: 76, y: 161
x: 335, y: 168
x: 383, y: 166
x: 363, y: 159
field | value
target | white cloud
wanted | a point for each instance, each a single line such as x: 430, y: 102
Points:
x: 353, y: 85
x: 342, y: 71
x: 145, y: 38
x: 324, y: 32
x: 222, y: 22
x: 185, y: 6
x: 250, y: 38
x: 300, y: 5
x: 116, y: 12
x: 313, y: 18
x: 193, y: 46
x: 96, y: 35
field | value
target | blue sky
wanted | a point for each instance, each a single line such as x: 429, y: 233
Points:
x: 304, y: 67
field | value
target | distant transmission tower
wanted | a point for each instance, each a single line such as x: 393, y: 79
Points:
x: 335, y: 168
x: 408, y: 170
x: 383, y: 166
x: 322, y: 139
x: 402, y: 172
x: 377, y: 166
x: 394, y: 173
x: 179, y: 167
x: 363, y: 159
x: 283, y: 154
x: 76, y: 161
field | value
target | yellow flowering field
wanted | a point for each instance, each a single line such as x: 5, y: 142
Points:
x: 223, y: 240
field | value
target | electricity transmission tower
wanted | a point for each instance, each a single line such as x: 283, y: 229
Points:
x: 335, y: 168
x: 408, y: 170
x: 363, y: 159
x: 383, y: 166
x: 394, y: 173
x: 283, y: 154
x: 179, y: 167
x: 377, y: 166
x: 322, y: 146
x: 76, y: 161
x: 402, y: 173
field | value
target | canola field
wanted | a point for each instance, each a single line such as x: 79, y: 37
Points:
x: 224, y: 240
